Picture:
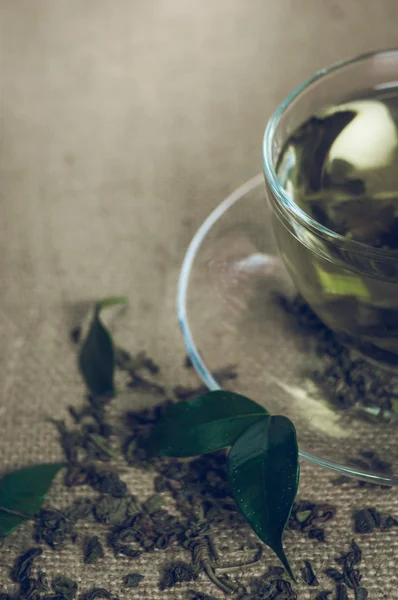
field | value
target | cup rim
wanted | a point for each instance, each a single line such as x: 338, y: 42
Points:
x: 283, y: 198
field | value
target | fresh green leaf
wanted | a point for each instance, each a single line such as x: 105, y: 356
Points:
x: 97, y: 355
x: 22, y: 493
x: 264, y: 474
x: 204, y: 424
x: 9, y: 522
x: 24, y: 490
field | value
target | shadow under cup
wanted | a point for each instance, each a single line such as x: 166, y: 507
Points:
x: 351, y: 286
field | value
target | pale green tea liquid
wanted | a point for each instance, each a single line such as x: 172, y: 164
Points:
x: 341, y: 167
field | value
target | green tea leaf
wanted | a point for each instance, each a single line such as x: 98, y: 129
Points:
x: 9, y: 522
x: 22, y: 493
x: 264, y: 474
x: 97, y: 355
x: 204, y: 424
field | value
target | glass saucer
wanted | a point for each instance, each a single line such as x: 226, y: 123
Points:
x: 229, y: 316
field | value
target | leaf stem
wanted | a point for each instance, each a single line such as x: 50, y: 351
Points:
x: 229, y: 568
x: 214, y: 579
x: 212, y: 548
x: 17, y: 513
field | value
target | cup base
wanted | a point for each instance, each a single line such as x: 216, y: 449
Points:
x: 230, y: 315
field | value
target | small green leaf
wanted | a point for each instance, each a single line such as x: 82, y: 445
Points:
x: 204, y: 424
x: 9, y: 522
x: 22, y: 493
x: 97, y: 355
x: 264, y: 474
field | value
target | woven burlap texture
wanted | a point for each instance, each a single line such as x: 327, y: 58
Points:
x: 29, y: 437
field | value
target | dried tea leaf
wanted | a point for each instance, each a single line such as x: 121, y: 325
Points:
x: 30, y: 589
x: 111, y: 510
x: 52, y: 526
x: 341, y: 592
x: 308, y: 575
x: 317, y: 533
x: 193, y: 595
x: 81, y: 508
x: 126, y: 550
x: 5, y: 596
x: 65, y: 587
x: 334, y: 574
x: 274, y: 572
x: 361, y: 593
x: 263, y: 475
x: 42, y: 582
x: 103, y: 445
x: 23, y: 565
x: 92, y: 550
x: 98, y: 593
x: 97, y: 355
x: 133, y: 580
x: 22, y: 493
x: 106, y: 482
x: 356, y: 555
x: 176, y: 572
x: 204, y: 424
x: 153, y: 503
x: 364, y: 521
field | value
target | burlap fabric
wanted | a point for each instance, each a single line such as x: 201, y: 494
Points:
x: 122, y: 125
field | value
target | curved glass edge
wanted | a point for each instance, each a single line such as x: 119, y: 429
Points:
x: 192, y: 350
x: 283, y: 198
x: 186, y: 268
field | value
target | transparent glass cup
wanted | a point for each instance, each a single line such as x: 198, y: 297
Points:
x: 353, y: 287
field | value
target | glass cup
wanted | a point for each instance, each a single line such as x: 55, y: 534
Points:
x: 352, y: 287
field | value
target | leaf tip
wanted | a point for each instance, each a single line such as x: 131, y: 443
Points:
x: 112, y: 301
x: 283, y: 558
